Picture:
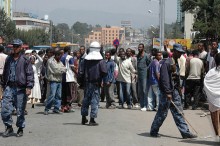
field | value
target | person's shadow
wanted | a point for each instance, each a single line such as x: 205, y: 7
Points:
x: 147, y: 134
x: 201, y: 142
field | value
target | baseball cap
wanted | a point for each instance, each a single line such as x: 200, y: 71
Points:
x: 17, y: 42
x: 178, y: 47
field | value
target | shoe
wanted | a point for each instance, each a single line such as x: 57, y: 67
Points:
x: 32, y: 106
x: 120, y: 107
x: 144, y: 109
x: 92, y: 122
x: 125, y: 106
x: 8, y: 131
x: 155, y: 135
x: 20, y: 132
x: 56, y: 112
x: 136, y: 106
x: 129, y: 107
x: 46, y: 112
x: 84, y: 120
x: 190, y: 136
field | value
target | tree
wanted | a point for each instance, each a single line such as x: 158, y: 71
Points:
x: 206, y: 13
x: 64, y: 32
x: 7, y: 26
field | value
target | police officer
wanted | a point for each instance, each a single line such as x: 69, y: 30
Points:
x: 18, y: 80
x: 169, y: 87
x: 95, y: 69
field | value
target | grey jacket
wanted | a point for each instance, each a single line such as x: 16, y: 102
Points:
x: 55, y: 70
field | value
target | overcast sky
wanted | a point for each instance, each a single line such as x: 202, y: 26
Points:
x: 99, y: 11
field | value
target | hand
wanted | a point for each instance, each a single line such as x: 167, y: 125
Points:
x: 169, y: 97
x: 28, y: 91
x: 108, y: 83
x: 102, y: 84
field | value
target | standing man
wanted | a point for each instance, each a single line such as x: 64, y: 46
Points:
x: 194, y: 75
x: 143, y: 61
x: 69, y: 83
x: 154, y: 76
x: 202, y: 52
x: 169, y: 87
x: 18, y: 80
x: 2, y: 64
x: 94, y: 70
x: 210, y: 58
x: 80, y: 78
x: 108, y: 81
x: 55, y: 69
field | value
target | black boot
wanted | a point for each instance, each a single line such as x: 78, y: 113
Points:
x: 20, y: 132
x: 84, y: 120
x: 8, y: 131
x: 92, y: 122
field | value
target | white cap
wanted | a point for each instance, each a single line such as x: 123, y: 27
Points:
x: 94, y: 52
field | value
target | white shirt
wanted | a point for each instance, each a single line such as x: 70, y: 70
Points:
x: 203, y: 55
x: 2, y: 62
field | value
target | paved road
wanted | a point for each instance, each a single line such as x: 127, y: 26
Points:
x: 117, y: 128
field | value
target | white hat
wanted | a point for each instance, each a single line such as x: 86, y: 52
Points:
x: 94, y: 52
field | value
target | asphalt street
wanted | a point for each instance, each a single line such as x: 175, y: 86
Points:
x: 117, y: 127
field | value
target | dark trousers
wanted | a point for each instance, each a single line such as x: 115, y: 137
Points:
x: 192, y: 90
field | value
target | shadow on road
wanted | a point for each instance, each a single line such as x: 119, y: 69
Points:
x: 147, y: 134
x: 72, y: 124
x: 201, y: 142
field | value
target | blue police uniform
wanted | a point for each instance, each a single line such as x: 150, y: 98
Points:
x: 167, y: 86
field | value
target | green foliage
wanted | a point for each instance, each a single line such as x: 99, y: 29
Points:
x: 7, y: 26
x: 206, y: 13
x: 33, y: 37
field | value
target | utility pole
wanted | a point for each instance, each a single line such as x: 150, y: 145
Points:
x: 51, y: 32
x: 162, y: 21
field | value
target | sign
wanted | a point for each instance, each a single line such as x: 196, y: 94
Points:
x: 171, y: 42
x: 116, y: 42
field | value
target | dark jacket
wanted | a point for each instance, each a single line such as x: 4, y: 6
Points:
x: 94, y: 71
x: 24, y: 72
x: 165, y: 82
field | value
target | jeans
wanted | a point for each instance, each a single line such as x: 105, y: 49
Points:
x: 14, y: 97
x: 92, y: 94
x: 54, y: 96
x: 143, y: 89
x: 153, y: 98
x: 109, y: 94
x: 162, y: 112
x: 125, y: 93
x: 134, y: 93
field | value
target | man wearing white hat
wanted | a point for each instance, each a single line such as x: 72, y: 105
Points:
x: 94, y: 70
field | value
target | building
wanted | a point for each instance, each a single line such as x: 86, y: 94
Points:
x: 188, y: 26
x: 28, y: 21
x: 106, y: 36
x: 126, y: 24
x: 7, y: 6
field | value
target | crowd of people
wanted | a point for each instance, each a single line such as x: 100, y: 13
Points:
x: 156, y: 81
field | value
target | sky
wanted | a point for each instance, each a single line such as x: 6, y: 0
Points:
x: 101, y: 12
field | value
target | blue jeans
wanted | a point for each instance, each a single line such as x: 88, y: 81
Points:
x: 143, y: 89
x: 125, y: 93
x: 91, y: 97
x: 54, y: 97
x: 14, y: 97
x: 153, y: 98
x: 162, y: 112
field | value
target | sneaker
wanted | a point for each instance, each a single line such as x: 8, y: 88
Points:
x: 46, y: 112
x: 125, y: 106
x: 190, y: 136
x: 8, y: 131
x: 20, y: 132
x: 129, y: 107
x: 120, y: 107
x: 136, y: 106
x: 144, y: 109
x: 56, y: 112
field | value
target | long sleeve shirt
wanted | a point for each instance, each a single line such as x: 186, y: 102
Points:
x: 165, y: 82
x: 110, y: 75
